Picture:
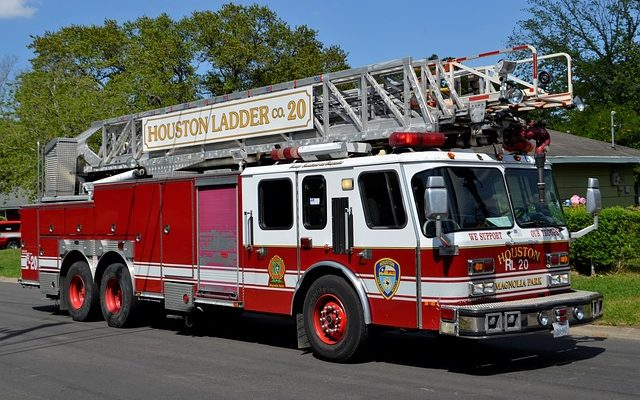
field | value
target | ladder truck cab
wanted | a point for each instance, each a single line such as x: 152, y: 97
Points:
x: 409, y: 194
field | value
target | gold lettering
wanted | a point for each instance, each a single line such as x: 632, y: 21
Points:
x: 152, y: 133
x: 245, y: 119
x: 170, y: 132
x: 214, y: 128
x: 193, y: 126
x: 204, y: 125
x: 224, y: 125
x: 162, y: 132
x: 234, y: 120
x: 264, y: 115
x: 254, y: 116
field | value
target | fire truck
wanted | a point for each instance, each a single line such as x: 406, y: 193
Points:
x: 410, y: 194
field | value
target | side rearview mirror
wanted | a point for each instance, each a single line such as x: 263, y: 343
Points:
x: 435, y: 198
x: 594, y: 199
x: 594, y: 205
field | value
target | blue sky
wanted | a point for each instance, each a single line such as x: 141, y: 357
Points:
x: 369, y: 31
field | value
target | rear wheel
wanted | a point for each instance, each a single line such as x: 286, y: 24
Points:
x: 13, y: 244
x: 334, y: 319
x: 80, y: 292
x: 117, y: 300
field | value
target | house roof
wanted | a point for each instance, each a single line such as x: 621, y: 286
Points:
x: 566, y: 148
x: 13, y: 200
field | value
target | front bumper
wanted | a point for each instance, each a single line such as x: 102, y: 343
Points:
x: 524, y: 316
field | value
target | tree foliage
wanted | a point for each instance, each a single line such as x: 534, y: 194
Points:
x: 83, y: 73
x: 249, y: 47
x: 601, y: 36
x: 6, y: 66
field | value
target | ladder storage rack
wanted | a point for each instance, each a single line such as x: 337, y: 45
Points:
x: 470, y: 104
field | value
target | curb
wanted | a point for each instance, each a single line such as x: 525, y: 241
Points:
x: 604, y: 331
x: 5, y: 279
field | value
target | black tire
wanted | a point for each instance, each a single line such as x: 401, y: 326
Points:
x: 80, y: 292
x: 339, y: 333
x: 13, y: 244
x: 117, y: 299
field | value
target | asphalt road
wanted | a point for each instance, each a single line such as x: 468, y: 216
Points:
x: 45, y: 355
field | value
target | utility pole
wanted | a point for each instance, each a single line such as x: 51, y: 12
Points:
x: 613, y: 140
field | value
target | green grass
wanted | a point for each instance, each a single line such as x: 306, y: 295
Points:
x: 621, y: 296
x: 10, y: 263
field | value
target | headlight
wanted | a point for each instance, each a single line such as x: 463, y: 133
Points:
x: 482, y: 288
x: 514, y: 96
x: 558, y: 279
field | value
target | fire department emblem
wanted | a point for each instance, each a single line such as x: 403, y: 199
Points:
x: 276, y: 272
x: 387, y: 273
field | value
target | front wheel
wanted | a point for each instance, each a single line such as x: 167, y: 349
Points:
x: 117, y: 299
x: 14, y: 244
x: 334, y: 319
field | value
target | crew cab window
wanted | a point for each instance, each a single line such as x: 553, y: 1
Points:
x: 275, y: 204
x: 477, y: 199
x: 314, y: 202
x: 382, y: 200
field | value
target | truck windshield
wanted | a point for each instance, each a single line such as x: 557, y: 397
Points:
x: 477, y: 199
x: 528, y: 209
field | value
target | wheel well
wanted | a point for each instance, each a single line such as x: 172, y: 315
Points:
x: 320, y: 270
x: 71, y: 258
x: 107, y: 259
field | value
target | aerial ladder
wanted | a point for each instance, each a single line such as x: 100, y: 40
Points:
x: 465, y: 102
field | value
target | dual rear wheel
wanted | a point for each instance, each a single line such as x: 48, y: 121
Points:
x: 114, y: 294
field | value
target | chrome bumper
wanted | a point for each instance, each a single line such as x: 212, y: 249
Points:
x: 523, y: 316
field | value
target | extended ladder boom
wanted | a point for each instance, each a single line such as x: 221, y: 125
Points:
x: 470, y: 104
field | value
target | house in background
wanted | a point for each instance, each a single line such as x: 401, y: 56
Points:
x: 10, y: 205
x: 576, y: 158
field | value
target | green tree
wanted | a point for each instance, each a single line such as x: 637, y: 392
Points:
x: 6, y: 66
x: 82, y: 74
x: 248, y: 46
x: 602, y: 38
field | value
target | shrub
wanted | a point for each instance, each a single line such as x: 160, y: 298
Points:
x: 614, y: 246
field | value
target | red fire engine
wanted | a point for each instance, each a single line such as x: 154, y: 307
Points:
x: 339, y: 200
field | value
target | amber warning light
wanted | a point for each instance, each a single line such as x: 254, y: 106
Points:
x: 427, y: 140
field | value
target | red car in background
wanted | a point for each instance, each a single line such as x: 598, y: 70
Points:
x: 9, y: 234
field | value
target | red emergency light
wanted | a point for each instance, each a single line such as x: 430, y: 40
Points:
x: 425, y: 140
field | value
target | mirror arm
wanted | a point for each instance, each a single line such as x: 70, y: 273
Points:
x: 588, y: 229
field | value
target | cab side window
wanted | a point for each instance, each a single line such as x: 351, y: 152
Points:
x: 382, y: 200
x: 275, y: 204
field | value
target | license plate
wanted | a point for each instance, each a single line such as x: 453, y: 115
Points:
x: 560, y: 330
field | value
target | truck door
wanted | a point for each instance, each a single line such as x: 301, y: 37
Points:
x: 270, y: 251
x: 385, y: 243
x: 324, y: 226
x: 178, y: 224
x: 217, y: 213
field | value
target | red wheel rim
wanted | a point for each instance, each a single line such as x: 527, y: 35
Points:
x: 113, y: 296
x: 77, y: 292
x: 329, y: 319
